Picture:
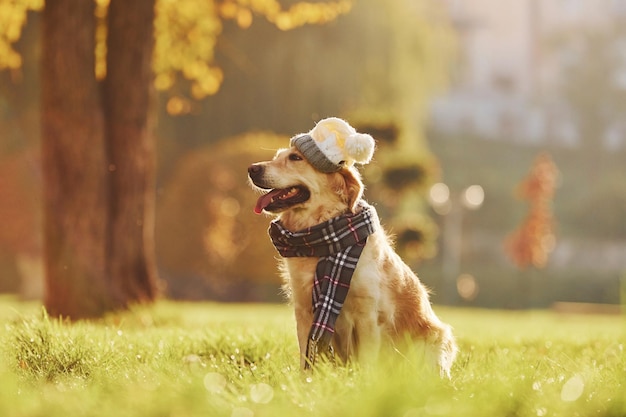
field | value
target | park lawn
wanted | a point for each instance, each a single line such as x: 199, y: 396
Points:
x: 209, y: 359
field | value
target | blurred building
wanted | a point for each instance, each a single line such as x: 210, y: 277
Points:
x: 514, y: 60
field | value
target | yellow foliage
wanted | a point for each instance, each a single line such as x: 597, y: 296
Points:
x: 229, y: 10
x: 185, y: 36
x: 186, y: 33
x: 178, y: 105
x: 100, y: 50
x: 299, y: 14
x: 12, y: 19
x: 244, y: 18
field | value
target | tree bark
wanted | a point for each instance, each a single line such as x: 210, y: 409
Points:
x: 98, y: 159
x: 131, y: 148
x: 75, y: 216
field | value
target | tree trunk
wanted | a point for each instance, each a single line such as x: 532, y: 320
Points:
x: 131, y: 148
x: 98, y: 159
x: 75, y: 209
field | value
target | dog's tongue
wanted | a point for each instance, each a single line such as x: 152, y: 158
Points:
x: 265, y: 200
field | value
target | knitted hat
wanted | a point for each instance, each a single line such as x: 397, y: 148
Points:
x: 333, y: 144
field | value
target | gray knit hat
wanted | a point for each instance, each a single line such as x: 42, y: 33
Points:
x: 306, y: 145
x: 333, y: 144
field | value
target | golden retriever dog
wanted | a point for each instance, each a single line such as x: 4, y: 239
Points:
x: 386, y: 304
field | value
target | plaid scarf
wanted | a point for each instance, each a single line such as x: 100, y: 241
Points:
x: 338, y: 243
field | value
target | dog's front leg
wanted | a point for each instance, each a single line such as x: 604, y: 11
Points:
x: 368, y: 336
x: 304, y: 320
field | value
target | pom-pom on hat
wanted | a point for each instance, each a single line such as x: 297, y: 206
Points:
x: 333, y: 144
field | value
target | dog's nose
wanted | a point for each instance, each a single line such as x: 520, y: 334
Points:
x: 255, y: 170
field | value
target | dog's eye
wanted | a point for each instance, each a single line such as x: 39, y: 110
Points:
x: 295, y: 157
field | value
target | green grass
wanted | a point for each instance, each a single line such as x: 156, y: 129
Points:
x: 180, y: 360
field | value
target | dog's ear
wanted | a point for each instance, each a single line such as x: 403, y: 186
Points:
x: 351, y: 187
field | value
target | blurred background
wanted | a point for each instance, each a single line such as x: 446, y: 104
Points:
x: 501, y: 161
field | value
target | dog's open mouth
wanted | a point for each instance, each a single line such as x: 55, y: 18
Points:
x: 281, y: 199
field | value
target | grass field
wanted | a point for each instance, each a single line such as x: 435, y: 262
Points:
x: 180, y: 360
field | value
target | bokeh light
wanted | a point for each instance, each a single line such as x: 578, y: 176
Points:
x: 439, y: 197
x: 573, y: 389
x: 261, y: 393
x: 214, y: 382
x: 467, y: 287
x: 473, y: 197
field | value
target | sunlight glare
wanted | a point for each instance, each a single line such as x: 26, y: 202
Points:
x: 573, y: 389
x: 261, y: 393
x: 214, y: 382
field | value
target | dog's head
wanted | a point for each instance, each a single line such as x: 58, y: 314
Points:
x: 291, y: 184
x: 315, y: 179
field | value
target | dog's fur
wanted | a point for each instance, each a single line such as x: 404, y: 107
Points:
x: 386, y: 304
